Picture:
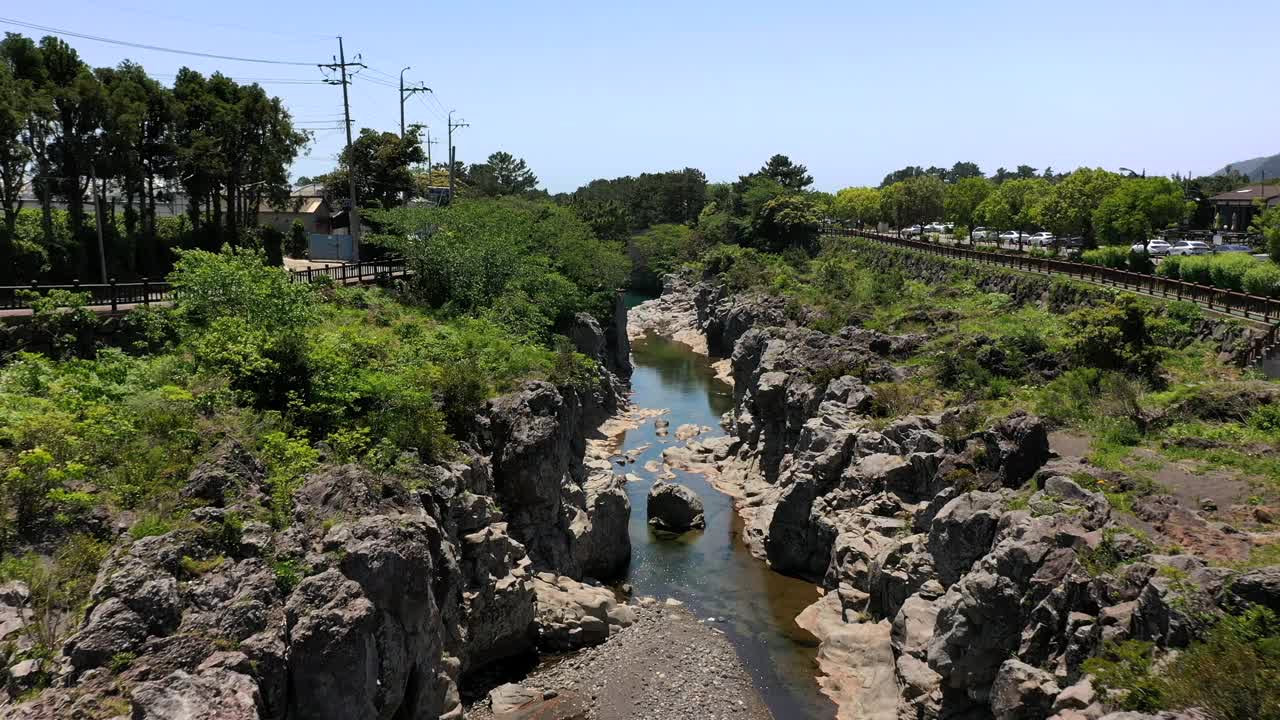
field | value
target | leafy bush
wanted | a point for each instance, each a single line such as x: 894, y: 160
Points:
x: 1227, y: 271
x: 1171, y: 266
x: 1195, y: 269
x: 1111, y: 256
x: 1232, y: 673
x: 1262, y: 279
x: 477, y: 254
x: 663, y: 248
x: 235, y: 283
x: 1115, y: 337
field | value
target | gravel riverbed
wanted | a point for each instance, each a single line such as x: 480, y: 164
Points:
x: 669, y: 665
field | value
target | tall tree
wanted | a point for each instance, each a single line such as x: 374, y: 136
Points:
x: 502, y: 174
x: 15, y: 156
x: 896, y: 176
x: 1137, y: 208
x: 383, y: 163
x: 79, y: 108
x: 139, y: 151
x: 789, y: 175
x: 963, y: 171
x: 25, y: 61
x: 858, y: 205
x: 1068, y: 208
x: 963, y: 198
x: 917, y: 199
x: 1015, y: 205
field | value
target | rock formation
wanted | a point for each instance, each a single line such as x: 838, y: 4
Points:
x: 674, y: 507
x: 959, y: 563
x: 383, y: 591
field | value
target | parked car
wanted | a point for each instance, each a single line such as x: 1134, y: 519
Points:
x: 1069, y: 243
x: 1041, y: 239
x: 933, y: 228
x: 1189, y: 247
x: 913, y: 230
x: 1011, y: 236
x: 1153, y: 247
x: 981, y: 233
x: 1233, y: 249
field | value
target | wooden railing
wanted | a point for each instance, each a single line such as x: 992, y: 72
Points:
x: 117, y: 295
x: 112, y: 294
x: 1230, y: 302
x: 354, y: 272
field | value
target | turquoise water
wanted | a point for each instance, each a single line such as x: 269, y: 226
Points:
x: 711, y: 571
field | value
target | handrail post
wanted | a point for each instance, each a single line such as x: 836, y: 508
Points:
x: 114, y: 305
x: 146, y: 291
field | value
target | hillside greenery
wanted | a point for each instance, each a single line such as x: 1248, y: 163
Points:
x: 299, y: 374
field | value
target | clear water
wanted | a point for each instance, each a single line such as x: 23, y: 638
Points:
x: 711, y: 571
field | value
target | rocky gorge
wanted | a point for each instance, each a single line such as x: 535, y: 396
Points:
x: 383, y: 596
x: 960, y: 565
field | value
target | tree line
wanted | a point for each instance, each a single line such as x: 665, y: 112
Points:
x: 1102, y: 207
x: 66, y: 127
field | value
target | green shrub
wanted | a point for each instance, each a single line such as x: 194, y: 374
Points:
x: 297, y: 246
x: 1266, y: 419
x: 1115, y: 336
x: 1123, y: 672
x: 237, y: 284
x: 1262, y: 279
x: 1227, y: 271
x: 1233, y: 672
x: 63, y: 317
x: 288, y: 574
x: 1110, y: 256
x: 1196, y: 269
x: 1171, y: 267
x: 150, y: 525
x: 287, y: 459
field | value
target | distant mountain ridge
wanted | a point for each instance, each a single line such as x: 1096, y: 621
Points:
x: 1257, y: 168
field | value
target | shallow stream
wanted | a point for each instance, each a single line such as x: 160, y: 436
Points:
x: 712, y: 571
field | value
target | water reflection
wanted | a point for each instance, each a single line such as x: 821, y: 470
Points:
x: 712, y: 571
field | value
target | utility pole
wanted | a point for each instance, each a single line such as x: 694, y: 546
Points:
x: 405, y: 93
x: 97, y: 214
x: 430, y: 142
x: 353, y: 215
x: 453, y: 150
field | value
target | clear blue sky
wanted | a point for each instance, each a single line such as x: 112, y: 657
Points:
x: 852, y: 89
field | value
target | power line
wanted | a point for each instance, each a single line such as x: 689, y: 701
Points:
x: 143, y: 46
x: 168, y: 77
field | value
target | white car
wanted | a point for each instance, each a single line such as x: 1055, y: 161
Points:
x: 934, y: 228
x: 1011, y: 236
x: 1154, y: 246
x: 981, y: 233
x: 1041, y: 239
x: 1189, y: 247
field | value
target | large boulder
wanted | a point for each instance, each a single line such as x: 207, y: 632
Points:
x: 962, y: 532
x: 229, y: 471
x: 1022, y: 692
x: 1015, y: 448
x: 1259, y: 587
x: 213, y: 694
x: 607, y: 544
x: 674, y: 508
x: 572, y: 615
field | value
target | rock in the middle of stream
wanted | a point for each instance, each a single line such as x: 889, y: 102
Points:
x: 674, y: 508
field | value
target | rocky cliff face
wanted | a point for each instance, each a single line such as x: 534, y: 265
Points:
x: 383, y: 592
x: 951, y: 590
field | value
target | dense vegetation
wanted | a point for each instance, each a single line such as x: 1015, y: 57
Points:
x: 1126, y: 374
x: 298, y: 374
x: 226, y: 146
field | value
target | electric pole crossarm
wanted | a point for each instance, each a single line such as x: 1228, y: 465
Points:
x: 353, y: 215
